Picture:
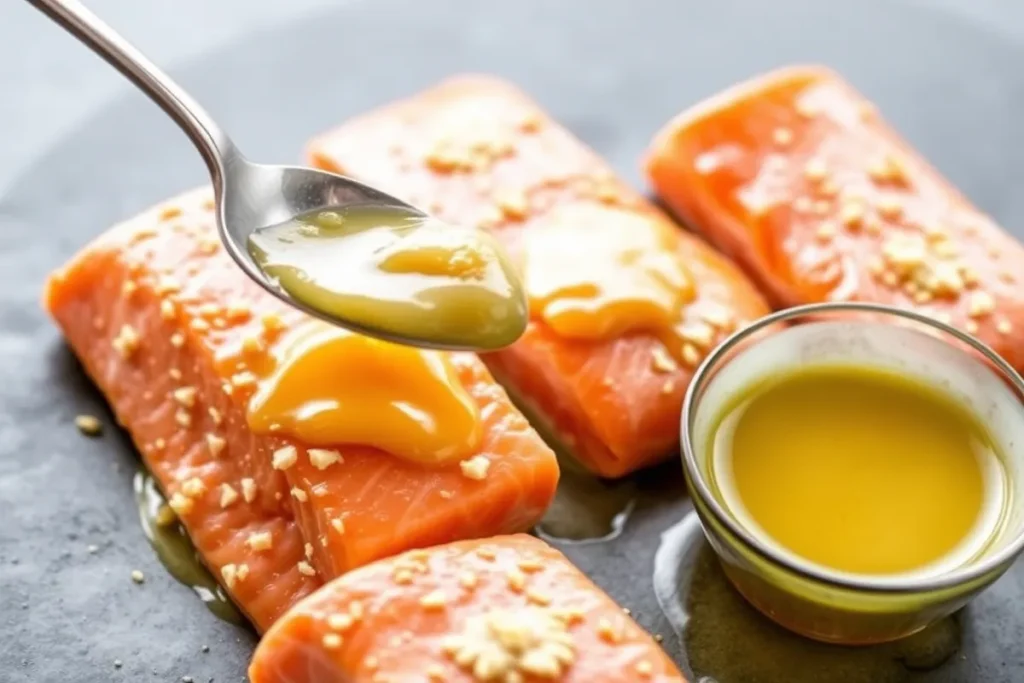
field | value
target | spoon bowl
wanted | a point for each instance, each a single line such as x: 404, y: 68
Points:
x: 251, y: 197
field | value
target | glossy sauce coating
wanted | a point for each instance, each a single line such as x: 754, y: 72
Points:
x: 509, y: 609
x: 797, y: 177
x: 397, y: 272
x: 475, y: 151
x: 329, y: 386
x: 626, y: 278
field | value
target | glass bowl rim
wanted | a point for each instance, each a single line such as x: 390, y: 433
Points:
x: 880, y: 584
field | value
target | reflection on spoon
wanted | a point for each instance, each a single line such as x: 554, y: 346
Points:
x: 399, y: 272
x: 175, y: 550
x: 725, y: 640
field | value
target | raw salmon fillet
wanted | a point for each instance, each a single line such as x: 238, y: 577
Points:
x: 796, y: 176
x: 476, y: 151
x: 505, y: 610
x: 168, y: 326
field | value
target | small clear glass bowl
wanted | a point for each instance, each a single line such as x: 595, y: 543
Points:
x: 809, y: 599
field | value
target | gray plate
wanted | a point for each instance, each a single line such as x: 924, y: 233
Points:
x: 613, y: 72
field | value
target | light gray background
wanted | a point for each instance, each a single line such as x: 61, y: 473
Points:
x: 66, y: 615
x: 48, y: 82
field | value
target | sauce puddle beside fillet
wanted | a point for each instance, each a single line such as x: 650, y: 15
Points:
x: 725, y: 640
x: 175, y: 550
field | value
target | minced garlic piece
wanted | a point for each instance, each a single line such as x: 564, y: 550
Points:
x: 661, y: 361
x: 248, y: 490
x: 339, y: 622
x: 434, y: 600
x: 193, y: 487
x: 182, y: 417
x: 332, y: 641
x: 538, y: 598
x: 186, y: 396
x: 167, y: 310
x: 476, y: 467
x: 338, y: 525
x: 516, y: 579
x: 322, y: 458
x: 243, y: 379
x: 691, y: 356
x: 215, y: 444
x: 506, y: 646
x: 215, y: 415
x: 468, y: 580
x: 138, y: 576
x: 229, y: 573
x: 127, y: 341
x: 177, y: 340
x: 530, y: 565
x: 89, y: 425
x: 180, y: 504
x: 167, y: 285
x: 285, y: 457
x: 299, y: 495
x: 607, y: 631
x: 243, y: 571
x: 260, y: 540
x: 981, y: 304
x: 228, y: 495
x: 305, y: 568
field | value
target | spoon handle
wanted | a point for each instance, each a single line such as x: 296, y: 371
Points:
x: 213, y: 143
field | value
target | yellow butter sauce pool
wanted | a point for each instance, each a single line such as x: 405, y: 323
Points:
x: 860, y: 471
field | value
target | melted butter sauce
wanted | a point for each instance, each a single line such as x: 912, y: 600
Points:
x: 725, y: 640
x: 586, y: 509
x: 597, y: 272
x: 399, y: 273
x: 175, y: 551
x: 328, y: 386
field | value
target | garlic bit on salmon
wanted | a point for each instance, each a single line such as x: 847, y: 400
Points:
x: 506, y: 646
x: 330, y: 386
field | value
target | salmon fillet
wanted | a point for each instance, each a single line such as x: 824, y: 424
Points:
x: 168, y: 327
x: 476, y: 151
x: 796, y: 176
x: 509, y: 610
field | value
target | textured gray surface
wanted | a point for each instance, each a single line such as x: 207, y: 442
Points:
x: 73, y: 162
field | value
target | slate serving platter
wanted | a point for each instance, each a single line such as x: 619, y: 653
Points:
x: 613, y: 72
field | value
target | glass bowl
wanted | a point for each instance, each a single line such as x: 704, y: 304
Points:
x: 810, y: 599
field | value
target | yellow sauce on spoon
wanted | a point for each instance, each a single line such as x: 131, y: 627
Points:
x: 399, y: 273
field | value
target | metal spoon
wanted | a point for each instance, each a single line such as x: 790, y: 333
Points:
x: 249, y: 196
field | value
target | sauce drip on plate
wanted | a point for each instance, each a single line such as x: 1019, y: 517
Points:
x: 397, y: 273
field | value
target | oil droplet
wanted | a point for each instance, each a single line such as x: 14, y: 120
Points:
x: 587, y: 509
x: 175, y: 550
x: 725, y: 640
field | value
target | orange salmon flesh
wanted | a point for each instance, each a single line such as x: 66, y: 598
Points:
x: 476, y: 151
x: 169, y: 327
x: 506, y: 609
